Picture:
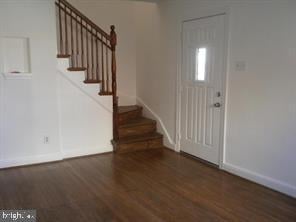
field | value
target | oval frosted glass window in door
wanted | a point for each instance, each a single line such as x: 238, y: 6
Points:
x: 200, y: 64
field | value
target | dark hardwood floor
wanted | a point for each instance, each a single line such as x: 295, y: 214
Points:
x: 154, y: 185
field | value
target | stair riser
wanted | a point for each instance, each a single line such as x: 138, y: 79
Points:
x: 137, y: 146
x: 137, y: 130
x: 125, y: 117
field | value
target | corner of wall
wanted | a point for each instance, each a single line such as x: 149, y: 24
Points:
x: 148, y: 112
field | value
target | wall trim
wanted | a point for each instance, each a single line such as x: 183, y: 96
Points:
x: 21, y: 76
x: 84, y: 152
x: 30, y: 160
x: 172, y: 144
x: 47, y: 158
x: 269, y: 182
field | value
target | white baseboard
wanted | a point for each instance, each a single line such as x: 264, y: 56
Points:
x: 84, y: 152
x: 168, y: 141
x: 261, y: 179
x: 30, y: 160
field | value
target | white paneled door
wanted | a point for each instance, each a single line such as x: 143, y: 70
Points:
x: 201, y: 99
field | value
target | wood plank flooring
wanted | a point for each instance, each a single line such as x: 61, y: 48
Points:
x: 154, y: 185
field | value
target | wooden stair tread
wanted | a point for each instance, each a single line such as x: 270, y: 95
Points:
x: 105, y: 93
x: 137, y: 122
x: 134, y: 139
x: 76, y: 69
x: 61, y: 56
x: 89, y: 81
x: 126, y: 109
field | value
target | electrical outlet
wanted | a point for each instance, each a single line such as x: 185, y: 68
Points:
x: 46, y: 140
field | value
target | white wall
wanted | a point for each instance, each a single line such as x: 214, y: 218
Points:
x: 119, y: 13
x: 29, y: 107
x: 155, y: 82
x: 85, y: 117
x: 261, y: 107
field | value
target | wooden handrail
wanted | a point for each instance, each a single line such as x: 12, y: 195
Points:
x: 90, y: 49
x: 87, y: 20
x: 81, y: 24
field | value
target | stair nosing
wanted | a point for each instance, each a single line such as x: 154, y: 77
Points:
x: 105, y: 93
x: 133, y: 123
x: 77, y: 69
x: 137, y: 108
x: 139, y: 138
x: 62, y: 56
x: 92, y: 81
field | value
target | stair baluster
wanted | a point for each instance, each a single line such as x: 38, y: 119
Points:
x: 89, y: 52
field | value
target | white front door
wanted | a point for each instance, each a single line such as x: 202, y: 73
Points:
x: 201, y: 98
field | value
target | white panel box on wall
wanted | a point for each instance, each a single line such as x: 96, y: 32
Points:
x: 15, y: 56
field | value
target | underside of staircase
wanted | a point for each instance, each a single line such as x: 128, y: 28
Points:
x: 135, y: 131
x: 93, y: 51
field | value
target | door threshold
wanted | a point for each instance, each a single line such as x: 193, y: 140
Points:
x: 199, y: 160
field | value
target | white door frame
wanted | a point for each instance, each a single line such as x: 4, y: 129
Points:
x: 224, y: 12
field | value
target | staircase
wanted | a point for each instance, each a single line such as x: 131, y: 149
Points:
x: 135, y: 131
x: 93, y: 51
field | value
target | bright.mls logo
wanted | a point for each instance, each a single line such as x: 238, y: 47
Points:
x: 17, y: 215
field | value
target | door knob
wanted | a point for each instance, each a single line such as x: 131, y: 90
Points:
x: 217, y: 105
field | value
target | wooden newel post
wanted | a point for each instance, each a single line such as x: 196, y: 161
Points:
x: 113, y: 42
